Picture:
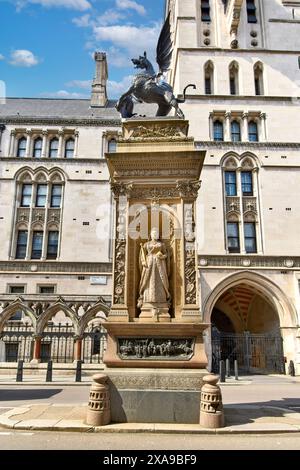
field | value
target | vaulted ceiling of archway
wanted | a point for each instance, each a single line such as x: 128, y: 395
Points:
x: 239, y: 299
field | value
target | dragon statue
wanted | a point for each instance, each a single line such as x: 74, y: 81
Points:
x: 149, y: 87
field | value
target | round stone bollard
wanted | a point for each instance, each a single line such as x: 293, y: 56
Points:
x: 98, y: 413
x: 211, y: 408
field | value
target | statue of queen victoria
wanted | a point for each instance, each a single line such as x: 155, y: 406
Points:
x: 155, y: 270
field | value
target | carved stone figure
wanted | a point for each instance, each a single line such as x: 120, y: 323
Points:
x: 155, y: 271
x: 156, y: 348
x: 149, y: 87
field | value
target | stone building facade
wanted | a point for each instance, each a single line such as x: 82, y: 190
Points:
x: 56, y: 205
x: 244, y: 58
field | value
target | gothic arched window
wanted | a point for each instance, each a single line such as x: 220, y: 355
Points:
x: 21, y: 151
x: 218, y: 131
x: 37, y: 147
x: 235, y: 131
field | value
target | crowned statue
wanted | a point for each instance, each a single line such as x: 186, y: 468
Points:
x: 155, y: 271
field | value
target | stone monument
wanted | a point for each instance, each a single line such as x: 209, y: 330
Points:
x: 155, y: 318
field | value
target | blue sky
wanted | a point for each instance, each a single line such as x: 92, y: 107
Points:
x: 46, y: 46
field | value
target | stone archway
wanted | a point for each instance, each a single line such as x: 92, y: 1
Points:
x: 250, y: 317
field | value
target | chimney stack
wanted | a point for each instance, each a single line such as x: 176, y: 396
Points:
x: 99, y: 94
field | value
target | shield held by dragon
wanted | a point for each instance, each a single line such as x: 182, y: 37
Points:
x: 150, y: 87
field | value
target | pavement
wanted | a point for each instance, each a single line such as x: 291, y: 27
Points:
x: 252, y: 405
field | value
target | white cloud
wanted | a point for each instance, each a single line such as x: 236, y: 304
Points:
x: 117, y: 58
x: 23, y: 58
x: 80, y: 5
x: 134, y: 39
x: 130, y: 4
x: 84, y: 84
x: 64, y: 94
x: 83, y: 21
x: 116, y: 89
x: 109, y: 17
x: 2, y: 57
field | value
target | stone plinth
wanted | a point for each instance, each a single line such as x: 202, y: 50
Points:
x: 155, y: 345
x: 155, y: 395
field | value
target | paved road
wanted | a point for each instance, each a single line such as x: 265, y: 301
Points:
x: 269, y: 391
x: 68, y: 441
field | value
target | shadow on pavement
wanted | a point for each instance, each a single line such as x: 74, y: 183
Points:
x: 244, y: 413
x: 28, y: 394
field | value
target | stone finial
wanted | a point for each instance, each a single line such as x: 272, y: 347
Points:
x: 211, y: 410
x: 98, y: 413
x: 99, y: 93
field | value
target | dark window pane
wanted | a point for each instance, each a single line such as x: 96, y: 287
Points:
x: 230, y: 183
x: 233, y: 237
x: 205, y: 10
x: 21, y: 244
x: 52, y: 245
x: 46, y: 289
x: 37, y: 148
x: 232, y: 86
x: 208, y: 86
x: 253, y: 131
x: 41, y: 195
x: 56, y: 195
x: 250, y: 237
x: 26, y: 195
x: 218, y: 131
x: 16, y: 289
x: 257, y: 87
x: 11, y: 352
x: 53, y: 148
x: 21, y: 147
x: 251, y: 11
x: 247, y: 185
x: 69, y: 148
x: 37, y: 245
x: 235, y: 131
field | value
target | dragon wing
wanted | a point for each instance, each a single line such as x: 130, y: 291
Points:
x: 164, y: 47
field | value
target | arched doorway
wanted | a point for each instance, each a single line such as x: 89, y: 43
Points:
x: 245, y: 326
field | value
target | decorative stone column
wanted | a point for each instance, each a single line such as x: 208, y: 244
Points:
x: 28, y: 143
x: 60, y: 143
x: 44, y: 145
x: 98, y: 413
x: 245, y: 136
x: 263, y: 127
x: 37, y: 348
x: 11, y: 149
x: 119, y: 310
x: 211, y: 411
x: 78, y: 348
x: 227, y: 133
x: 76, y: 134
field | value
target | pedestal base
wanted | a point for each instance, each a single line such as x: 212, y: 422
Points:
x: 157, y: 313
x: 155, y: 395
x: 155, y: 345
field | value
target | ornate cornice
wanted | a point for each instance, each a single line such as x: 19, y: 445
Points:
x: 246, y: 145
x: 91, y: 122
x: 249, y: 261
x: 56, y: 267
x: 183, y: 188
